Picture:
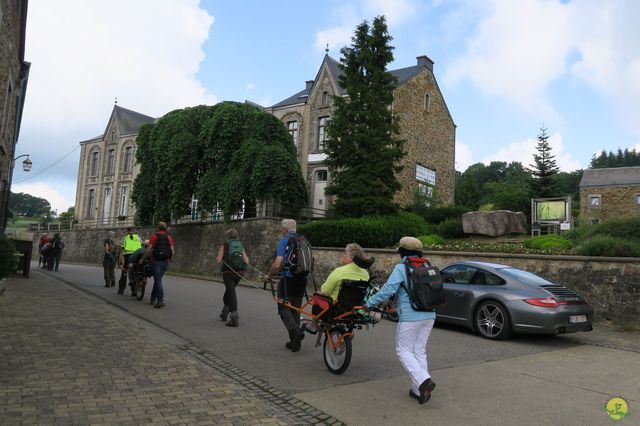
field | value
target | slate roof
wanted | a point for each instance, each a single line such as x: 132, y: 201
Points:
x: 615, y: 176
x: 128, y: 122
x: 401, y: 74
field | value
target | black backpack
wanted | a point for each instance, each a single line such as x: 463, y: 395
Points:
x: 424, y: 286
x: 299, y: 255
x: 161, y: 249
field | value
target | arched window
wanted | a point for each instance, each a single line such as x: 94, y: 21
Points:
x: 94, y: 165
x: 322, y: 135
x: 128, y: 159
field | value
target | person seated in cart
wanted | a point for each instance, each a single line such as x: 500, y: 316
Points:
x: 136, y: 265
x: 354, y: 267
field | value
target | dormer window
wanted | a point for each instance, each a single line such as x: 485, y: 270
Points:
x: 325, y: 98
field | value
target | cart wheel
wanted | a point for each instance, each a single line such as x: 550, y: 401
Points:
x: 337, y: 361
x: 140, y: 290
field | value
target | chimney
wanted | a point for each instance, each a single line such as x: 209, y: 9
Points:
x: 309, y: 84
x: 424, y: 61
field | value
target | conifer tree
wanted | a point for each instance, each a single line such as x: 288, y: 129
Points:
x: 363, y: 149
x: 545, y: 168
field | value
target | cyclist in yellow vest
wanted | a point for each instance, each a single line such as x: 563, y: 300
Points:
x: 130, y: 243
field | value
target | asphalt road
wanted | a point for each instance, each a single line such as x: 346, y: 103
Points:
x: 543, y: 376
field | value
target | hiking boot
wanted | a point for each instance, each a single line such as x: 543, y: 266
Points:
x: 225, y: 313
x: 425, y: 390
x: 159, y: 304
x: 233, y: 320
x: 153, y: 301
x: 296, y: 337
x: 120, y: 291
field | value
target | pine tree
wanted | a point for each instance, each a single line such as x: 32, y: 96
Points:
x: 363, y: 149
x: 545, y: 168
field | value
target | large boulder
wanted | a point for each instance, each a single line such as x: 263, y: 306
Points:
x: 494, y: 224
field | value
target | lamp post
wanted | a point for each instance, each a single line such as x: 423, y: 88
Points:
x: 4, y: 205
x: 26, y: 164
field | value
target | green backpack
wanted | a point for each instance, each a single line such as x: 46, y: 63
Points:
x: 233, y: 255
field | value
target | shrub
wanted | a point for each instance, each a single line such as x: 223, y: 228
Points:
x: 579, y: 233
x: 548, y: 243
x: 450, y: 228
x: 368, y: 231
x: 604, y: 245
x: 440, y: 214
x: 431, y: 240
x: 621, y: 228
x: 7, y: 257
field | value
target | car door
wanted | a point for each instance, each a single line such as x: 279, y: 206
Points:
x: 456, y: 280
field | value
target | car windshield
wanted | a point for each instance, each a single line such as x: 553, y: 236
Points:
x: 524, y: 276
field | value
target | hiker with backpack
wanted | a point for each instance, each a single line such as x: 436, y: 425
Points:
x: 417, y: 289
x: 233, y: 258
x: 293, y: 262
x: 109, y: 260
x: 160, y: 250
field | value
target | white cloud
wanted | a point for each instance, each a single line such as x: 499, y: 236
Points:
x: 609, y: 43
x: 464, y: 157
x: 58, y: 201
x: 523, y: 152
x: 519, y: 48
x: 84, y: 54
x: 351, y: 15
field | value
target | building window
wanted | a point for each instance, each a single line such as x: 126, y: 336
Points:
x: 321, y: 176
x: 111, y: 160
x: 594, y: 221
x: 128, y: 159
x: 325, y: 98
x: 113, y: 136
x: 595, y: 201
x: 123, y: 208
x: 637, y: 199
x: 91, y: 203
x: 427, y: 102
x: 95, y: 158
x: 293, y: 131
x: 322, y: 135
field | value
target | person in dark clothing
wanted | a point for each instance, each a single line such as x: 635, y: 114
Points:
x: 290, y: 287
x: 54, y: 253
x: 232, y: 256
x: 109, y: 260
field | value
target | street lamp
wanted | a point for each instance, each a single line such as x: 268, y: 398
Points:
x: 26, y: 164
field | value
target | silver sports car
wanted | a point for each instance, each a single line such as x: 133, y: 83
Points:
x: 499, y: 300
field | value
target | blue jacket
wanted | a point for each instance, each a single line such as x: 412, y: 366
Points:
x: 283, y: 250
x: 403, y: 304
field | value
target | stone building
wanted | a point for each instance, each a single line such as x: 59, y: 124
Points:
x: 107, y: 170
x: 609, y: 193
x: 14, y: 74
x: 425, y: 124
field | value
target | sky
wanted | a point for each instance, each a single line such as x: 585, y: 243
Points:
x: 506, y: 69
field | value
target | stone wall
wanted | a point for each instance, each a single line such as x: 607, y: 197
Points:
x: 611, y: 285
x: 615, y: 202
x: 196, y: 246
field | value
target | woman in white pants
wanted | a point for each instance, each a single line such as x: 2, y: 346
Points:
x: 414, y: 327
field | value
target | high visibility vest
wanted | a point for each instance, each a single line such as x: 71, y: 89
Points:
x: 130, y: 245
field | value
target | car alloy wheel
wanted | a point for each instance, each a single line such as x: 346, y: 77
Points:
x: 492, y: 321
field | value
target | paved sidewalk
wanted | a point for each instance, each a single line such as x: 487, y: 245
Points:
x: 70, y: 358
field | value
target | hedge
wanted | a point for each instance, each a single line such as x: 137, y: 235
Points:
x: 7, y: 257
x: 368, y: 231
x: 605, y: 245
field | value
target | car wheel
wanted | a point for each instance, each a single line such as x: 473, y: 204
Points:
x: 492, y: 321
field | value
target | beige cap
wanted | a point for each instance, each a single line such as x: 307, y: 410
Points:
x: 162, y: 225
x: 410, y: 243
